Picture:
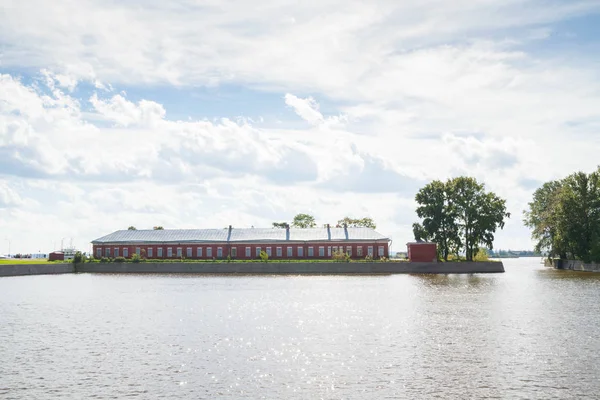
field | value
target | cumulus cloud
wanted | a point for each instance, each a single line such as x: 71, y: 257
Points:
x: 307, y: 109
x: 125, y: 113
x: 8, y: 197
x: 402, y: 82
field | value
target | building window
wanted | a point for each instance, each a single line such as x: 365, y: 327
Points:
x: 328, y: 251
x: 169, y: 252
x: 311, y: 251
x: 219, y: 252
x: 248, y: 252
x: 269, y: 251
x: 258, y: 252
x: 116, y: 252
x: 209, y: 252
x: 279, y: 252
x: 380, y: 251
x: 300, y: 251
x: 290, y: 252
x: 159, y: 252
x: 349, y: 251
x: 107, y: 252
x: 370, y: 251
x: 125, y: 252
x: 199, y: 252
x: 137, y: 251
x: 321, y: 251
x: 189, y: 252
x: 99, y: 252
x: 179, y: 252
x: 234, y: 252
x: 359, y: 251
x: 150, y: 252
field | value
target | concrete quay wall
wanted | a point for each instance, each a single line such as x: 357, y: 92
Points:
x: 258, y: 268
x: 298, y: 268
x: 35, y: 269
x: 574, y: 265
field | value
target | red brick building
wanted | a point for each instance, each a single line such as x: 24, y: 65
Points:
x: 422, y: 251
x: 242, y: 244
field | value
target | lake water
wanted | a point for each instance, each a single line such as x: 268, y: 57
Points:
x: 529, y: 333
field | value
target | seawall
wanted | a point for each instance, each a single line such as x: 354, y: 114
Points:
x: 35, y: 269
x: 573, y: 265
x: 299, y: 268
x: 259, y: 268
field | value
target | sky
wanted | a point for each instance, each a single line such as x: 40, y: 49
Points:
x: 204, y: 114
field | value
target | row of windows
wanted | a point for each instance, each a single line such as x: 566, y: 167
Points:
x: 248, y: 253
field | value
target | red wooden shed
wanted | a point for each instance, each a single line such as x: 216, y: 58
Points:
x: 56, y: 256
x: 422, y: 251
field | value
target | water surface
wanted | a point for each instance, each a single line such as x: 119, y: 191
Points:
x: 529, y: 333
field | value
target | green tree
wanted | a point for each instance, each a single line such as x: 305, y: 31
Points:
x: 280, y: 225
x: 477, y: 213
x: 132, y: 228
x: 438, y: 219
x: 158, y: 228
x: 357, y: 223
x: 544, y: 219
x: 304, y: 221
x: 564, y: 217
x: 458, y: 215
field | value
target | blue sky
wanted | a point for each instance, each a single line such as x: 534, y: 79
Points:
x: 187, y: 115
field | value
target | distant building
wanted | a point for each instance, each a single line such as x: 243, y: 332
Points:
x: 62, y: 255
x: 246, y: 243
x: 422, y: 251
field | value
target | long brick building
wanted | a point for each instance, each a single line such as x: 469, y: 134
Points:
x: 246, y: 243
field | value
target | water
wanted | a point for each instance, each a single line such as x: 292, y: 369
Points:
x: 529, y: 333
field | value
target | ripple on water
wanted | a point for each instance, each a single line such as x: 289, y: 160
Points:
x: 528, y: 333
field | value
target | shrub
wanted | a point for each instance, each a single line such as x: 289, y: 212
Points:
x: 369, y: 258
x: 481, y: 255
x: 78, y: 258
x: 120, y: 259
x: 135, y: 258
x: 104, y: 259
x: 264, y: 256
x: 339, y: 255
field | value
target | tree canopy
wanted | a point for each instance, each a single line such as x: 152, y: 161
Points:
x: 304, y: 221
x: 357, y: 222
x: 459, y: 215
x: 158, y: 228
x: 564, y: 217
x: 132, y: 228
x: 280, y: 225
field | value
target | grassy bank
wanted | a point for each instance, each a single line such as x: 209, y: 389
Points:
x: 13, y: 261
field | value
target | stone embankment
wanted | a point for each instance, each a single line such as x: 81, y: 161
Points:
x: 35, y: 269
x: 261, y: 268
x: 573, y: 265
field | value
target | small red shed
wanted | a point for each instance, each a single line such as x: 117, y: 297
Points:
x: 56, y: 256
x: 422, y: 251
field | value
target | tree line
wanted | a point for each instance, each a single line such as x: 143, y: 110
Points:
x: 564, y: 217
x: 308, y: 221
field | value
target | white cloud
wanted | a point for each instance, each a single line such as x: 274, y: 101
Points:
x: 8, y: 197
x: 410, y: 91
x: 307, y: 109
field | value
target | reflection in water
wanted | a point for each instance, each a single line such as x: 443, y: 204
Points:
x: 454, y: 281
x: 528, y: 333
